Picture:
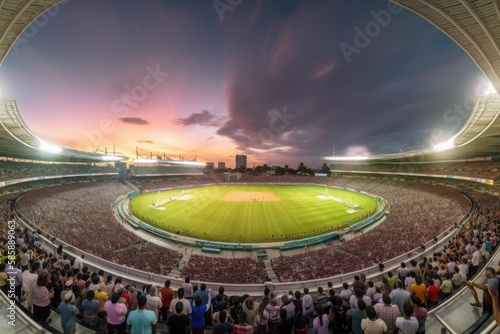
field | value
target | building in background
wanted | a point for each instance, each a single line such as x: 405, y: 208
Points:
x: 221, y: 165
x: 241, y: 161
x: 210, y: 165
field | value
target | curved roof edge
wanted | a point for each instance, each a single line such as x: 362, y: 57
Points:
x: 17, y: 141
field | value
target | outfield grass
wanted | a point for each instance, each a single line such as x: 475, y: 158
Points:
x: 286, y: 213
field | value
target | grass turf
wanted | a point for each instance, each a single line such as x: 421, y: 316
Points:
x: 297, y: 213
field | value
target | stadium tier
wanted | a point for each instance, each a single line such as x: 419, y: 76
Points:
x: 483, y: 169
x: 12, y: 170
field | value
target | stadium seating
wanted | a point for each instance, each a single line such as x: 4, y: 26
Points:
x: 10, y: 170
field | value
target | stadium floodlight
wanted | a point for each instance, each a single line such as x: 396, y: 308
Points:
x: 351, y: 158
x: 111, y: 158
x: 490, y: 90
x: 191, y: 163
x: 450, y: 143
x: 44, y: 146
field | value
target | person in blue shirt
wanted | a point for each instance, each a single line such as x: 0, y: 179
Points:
x: 68, y: 314
x: 198, y: 315
x: 142, y: 321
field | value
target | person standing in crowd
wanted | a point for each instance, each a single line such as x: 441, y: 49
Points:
x: 154, y: 302
x: 372, y: 324
x: 178, y: 322
x: 198, y: 315
x: 41, y: 298
x: 407, y: 324
x: 167, y: 294
x: 491, y: 280
x: 142, y: 320
x: 29, y: 280
x: 387, y: 312
x: 90, y: 308
x: 400, y: 296
x: 419, y: 312
x: 432, y: 294
x: 180, y: 298
x: 116, y: 313
x: 188, y: 288
x: 68, y: 314
x: 321, y: 322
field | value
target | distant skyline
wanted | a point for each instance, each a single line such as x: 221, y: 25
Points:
x: 280, y: 81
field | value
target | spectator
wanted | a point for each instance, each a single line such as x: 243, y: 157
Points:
x: 243, y: 328
x: 387, y: 312
x: 142, y: 320
x: 407, y: 324
x: 167, y: 294
x: 153, y: 301
x: 492, y: 281
x: 357, y: 314
x: 42, y: 296
x: 178, y: 322
x: 180, y: 298
x: 372, y: 324
x: 68, y: 314
x: 321, y: 322
x: 29, y: 280
x: 116, y: 314
x: 198, y: 315
x: 400, y: 296
x: 419, y: 313
x: 90, y: 308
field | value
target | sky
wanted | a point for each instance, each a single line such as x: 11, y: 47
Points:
x: 281, y: 81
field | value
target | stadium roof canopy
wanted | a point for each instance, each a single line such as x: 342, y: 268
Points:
x: 475, y: 26
x: 16, y: 139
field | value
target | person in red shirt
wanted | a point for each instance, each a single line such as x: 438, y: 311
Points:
x: 167, y: 294
x: 432, y: 294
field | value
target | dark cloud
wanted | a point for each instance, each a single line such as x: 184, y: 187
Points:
x: 134, y: 120
x: 145, y: 141
x: 205, y: 118
x: 210, y: 138
x: 381, y: 99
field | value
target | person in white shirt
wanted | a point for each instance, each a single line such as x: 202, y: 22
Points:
x: 407, y: 324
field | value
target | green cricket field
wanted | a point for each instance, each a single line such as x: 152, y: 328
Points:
x: 252, y: 213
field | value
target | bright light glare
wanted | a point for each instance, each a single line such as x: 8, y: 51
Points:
x: 173, y: 162
x: 490, y: 90
x: 111, y: 158
x: 345, y: 158
x: 445, y: 146
x: 44, y: 146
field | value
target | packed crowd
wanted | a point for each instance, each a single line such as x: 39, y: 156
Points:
x: 433, y: 209
x: 489, y: 169
x: 137, y: 170
x: 75, y: 212
x: 160, y: 183
x: 10, y: 170
x: 214, y: 269
x: 148, y: 257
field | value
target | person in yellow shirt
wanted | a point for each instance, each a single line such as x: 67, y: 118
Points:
x: 418, y: 288
x: 101, y: 297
